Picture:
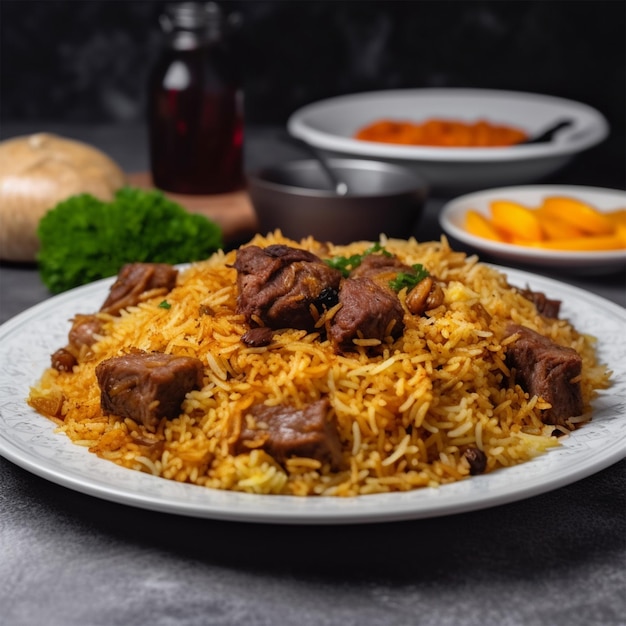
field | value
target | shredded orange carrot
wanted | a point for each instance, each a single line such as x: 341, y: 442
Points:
x: 442, y: 133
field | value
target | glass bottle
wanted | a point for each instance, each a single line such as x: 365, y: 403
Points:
x: 195, y: 104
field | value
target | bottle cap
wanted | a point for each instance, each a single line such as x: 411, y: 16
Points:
x: 191, y: 16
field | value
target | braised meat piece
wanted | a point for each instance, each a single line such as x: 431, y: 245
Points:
x: 383, y: 268
x: 279, y: 284
x: 84, y: 330
x: 147, y: 386
x: 134, y: 280
x: 548, y: 370
x: 545, y: 306
x: 284, y: 432
x: 368, y: 311
x: 258, y: 337
x: 380, y: 267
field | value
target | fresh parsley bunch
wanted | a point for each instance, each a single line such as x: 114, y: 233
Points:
x: 83, y: 238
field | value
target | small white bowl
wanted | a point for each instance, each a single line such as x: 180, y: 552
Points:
x: 330, y: 125
x: 452, y: 220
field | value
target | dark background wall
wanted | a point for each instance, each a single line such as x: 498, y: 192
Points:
x: 87, y: 61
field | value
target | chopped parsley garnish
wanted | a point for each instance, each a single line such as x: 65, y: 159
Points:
x: 165, y: 305
x: 348, y: 264
x: 409, y: 279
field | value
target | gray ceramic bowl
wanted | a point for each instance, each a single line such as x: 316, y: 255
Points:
x: 297, y: 198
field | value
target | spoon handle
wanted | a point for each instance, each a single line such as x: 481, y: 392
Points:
x: 547, y: 134
x: 339, y: 186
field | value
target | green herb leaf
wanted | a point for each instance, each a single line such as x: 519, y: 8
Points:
x: 165, y: 305
x: 348, y: 264
x: 409, y: 279
x: 83, y: 238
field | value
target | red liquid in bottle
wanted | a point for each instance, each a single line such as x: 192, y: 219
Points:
x: 195, y: 118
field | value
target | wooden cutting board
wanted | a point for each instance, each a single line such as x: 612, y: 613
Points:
x: 232, y: 211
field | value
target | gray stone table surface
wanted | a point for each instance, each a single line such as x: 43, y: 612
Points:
x: 68, y: 559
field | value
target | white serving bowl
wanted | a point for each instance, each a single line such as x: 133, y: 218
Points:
x: 330, y: 125
x: 452, y: 220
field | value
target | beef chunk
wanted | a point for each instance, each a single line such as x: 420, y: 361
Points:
x: 84, y: 330
x: 147, y: 386
x: 380, y: 267
x: 258, y: 337
x: 383, y: 268
x: 548, y: 370
x: 545, y: 306
x: 279, y: 284
x: 82, y: 333
x: 284, y: 432
x: 135, y: 279
x: 368, y: 311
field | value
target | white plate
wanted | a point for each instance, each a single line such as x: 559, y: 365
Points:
x: 452, y: 220
x: 29, y: 440
x: 330, y: 126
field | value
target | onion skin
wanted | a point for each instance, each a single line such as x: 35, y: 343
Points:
x: 36, y: 173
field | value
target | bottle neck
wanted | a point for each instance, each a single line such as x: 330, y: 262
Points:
x: 189, y: 39
x: 190, y: 25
